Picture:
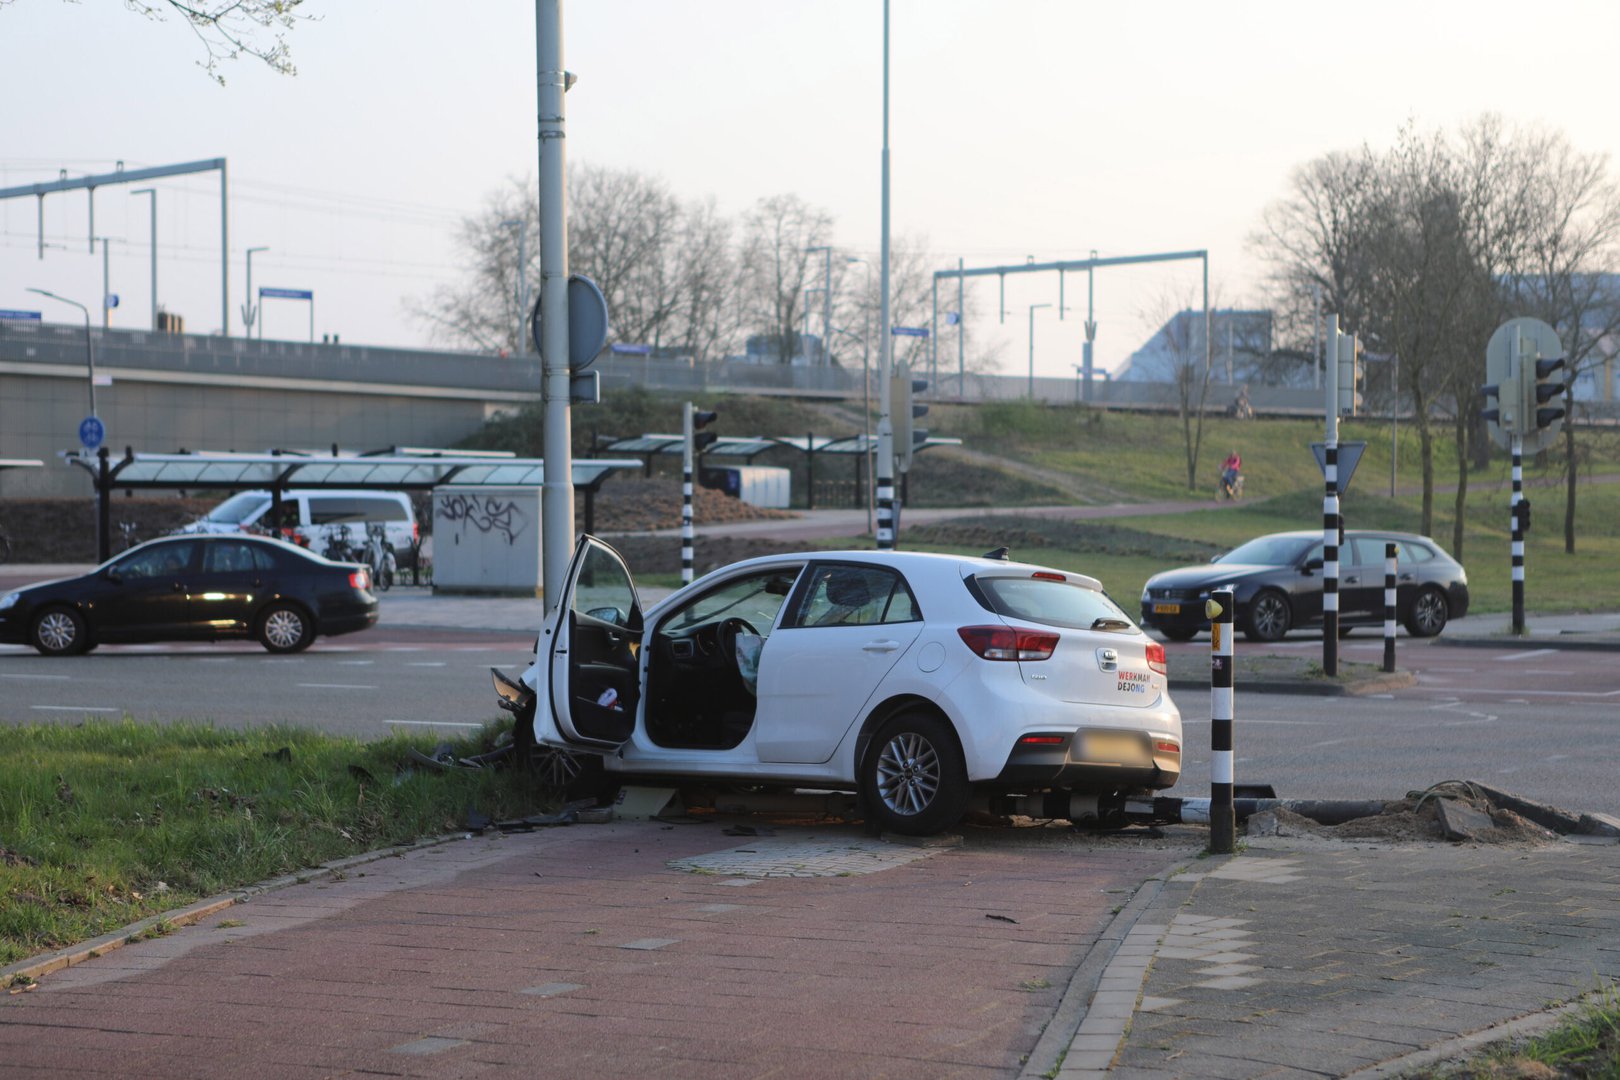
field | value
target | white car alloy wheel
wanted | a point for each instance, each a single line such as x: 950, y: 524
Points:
x: 908, y: 774
x: 915, y: 781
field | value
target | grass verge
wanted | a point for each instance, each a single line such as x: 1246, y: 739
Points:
x: 105, y: 823
x: 1586, y: 1047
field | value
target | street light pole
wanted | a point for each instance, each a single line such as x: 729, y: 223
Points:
x: 89, y: 345
x: 885, y: 532
x: 106, y: 282
x: 250, y: 314
x: 152, y: 192
x: 1032, y: 309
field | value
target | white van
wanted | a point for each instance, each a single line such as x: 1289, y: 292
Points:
x: 310, y: 514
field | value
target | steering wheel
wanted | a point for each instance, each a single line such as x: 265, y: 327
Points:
x: 727, y: 636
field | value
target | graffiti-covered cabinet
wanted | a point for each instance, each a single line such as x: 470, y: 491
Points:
x: 486, y: 540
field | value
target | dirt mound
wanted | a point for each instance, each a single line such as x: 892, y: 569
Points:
x: 1420, y: 817
x: 642, y: 504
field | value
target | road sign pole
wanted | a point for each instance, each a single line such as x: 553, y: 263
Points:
x: 1330, y: 510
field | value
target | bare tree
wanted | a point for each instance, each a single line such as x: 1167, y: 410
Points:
x: 481, y: 312
x: 1184, y: 336
x: 230, y: 29
x: 778, y: 234
x: 1426, y: 248
x: 1573, y: 208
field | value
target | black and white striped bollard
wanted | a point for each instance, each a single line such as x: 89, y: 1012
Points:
x: 1516, y: 524
x: 1222, y: 822
x: 689, y: 432
x: 1389, y: 607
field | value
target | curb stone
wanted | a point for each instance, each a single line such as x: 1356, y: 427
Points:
x: 1465, y: 1046
x: 1060, y: 1030
x: 39, y: 966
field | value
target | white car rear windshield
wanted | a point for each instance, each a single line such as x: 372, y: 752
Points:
x: 242, y: 506
x: 1054, y: 603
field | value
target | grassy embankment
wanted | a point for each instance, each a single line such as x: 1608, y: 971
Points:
x: 1135, y: 458
x: 105, y: 823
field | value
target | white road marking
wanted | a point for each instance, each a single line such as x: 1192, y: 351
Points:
x: 75, y: 708
x: 356, y: 663
x: 337, y: 686
x: 432, y: 723
x: 1537, y: 693
x: 1528, y: 655
x: 424, y: 663
x: 64, y: 678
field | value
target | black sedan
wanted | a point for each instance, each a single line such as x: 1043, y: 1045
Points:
x: 197, y: 588
x: 1277, y: 582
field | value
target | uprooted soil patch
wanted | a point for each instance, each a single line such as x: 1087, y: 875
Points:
x: 1413, y: 819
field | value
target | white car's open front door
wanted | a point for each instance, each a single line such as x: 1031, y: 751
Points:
x: 591, y: 650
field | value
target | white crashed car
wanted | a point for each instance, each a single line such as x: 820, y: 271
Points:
x: 915, y: 680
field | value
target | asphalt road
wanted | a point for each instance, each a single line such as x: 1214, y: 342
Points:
x: 1535, y: 720
x: 364, y: 685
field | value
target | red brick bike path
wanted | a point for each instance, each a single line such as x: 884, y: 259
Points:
x: 579, y: 953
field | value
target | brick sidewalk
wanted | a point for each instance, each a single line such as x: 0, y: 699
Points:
x: 581, y: 952
x: 1308, y: 959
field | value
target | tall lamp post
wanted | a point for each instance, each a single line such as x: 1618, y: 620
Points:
x: 1032, y: 310
x: 152, y: 192
x: 250, y: 314
x: 89, y: 345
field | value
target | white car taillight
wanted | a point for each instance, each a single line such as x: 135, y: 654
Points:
x: 1006, y: 643
x: 1155, y: 658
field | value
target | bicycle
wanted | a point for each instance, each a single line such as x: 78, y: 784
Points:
x: 340, y: 544
x: 379, y: 555
x: 127, y: 530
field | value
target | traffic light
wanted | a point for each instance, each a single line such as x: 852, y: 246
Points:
x: 903, y: 409
x: 1351, y: 378
x: 1523, y: 510
x: 702, y: 440
x: 1502, y: 414
x: 1544, y: 386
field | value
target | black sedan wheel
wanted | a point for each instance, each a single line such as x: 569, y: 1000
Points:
x: 285, y: 628
x: 1428, y: 614
x: 1268, y: 618
x: 913, y: 779
x: 59, y: 632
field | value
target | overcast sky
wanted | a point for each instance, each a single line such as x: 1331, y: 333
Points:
x: 1018, y: 127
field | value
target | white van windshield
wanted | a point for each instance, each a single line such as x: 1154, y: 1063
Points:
x: 243, y: 506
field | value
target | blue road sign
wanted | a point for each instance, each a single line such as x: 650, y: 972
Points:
x: 288, y: 294
x: 908, y: 331
x: 23, y: 316
x: 92, y: 433
x: 632, y: 350
x: 952, y: 318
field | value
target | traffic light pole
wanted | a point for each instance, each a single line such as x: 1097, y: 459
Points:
x: 1516, y: 524
x: 686, y: 494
